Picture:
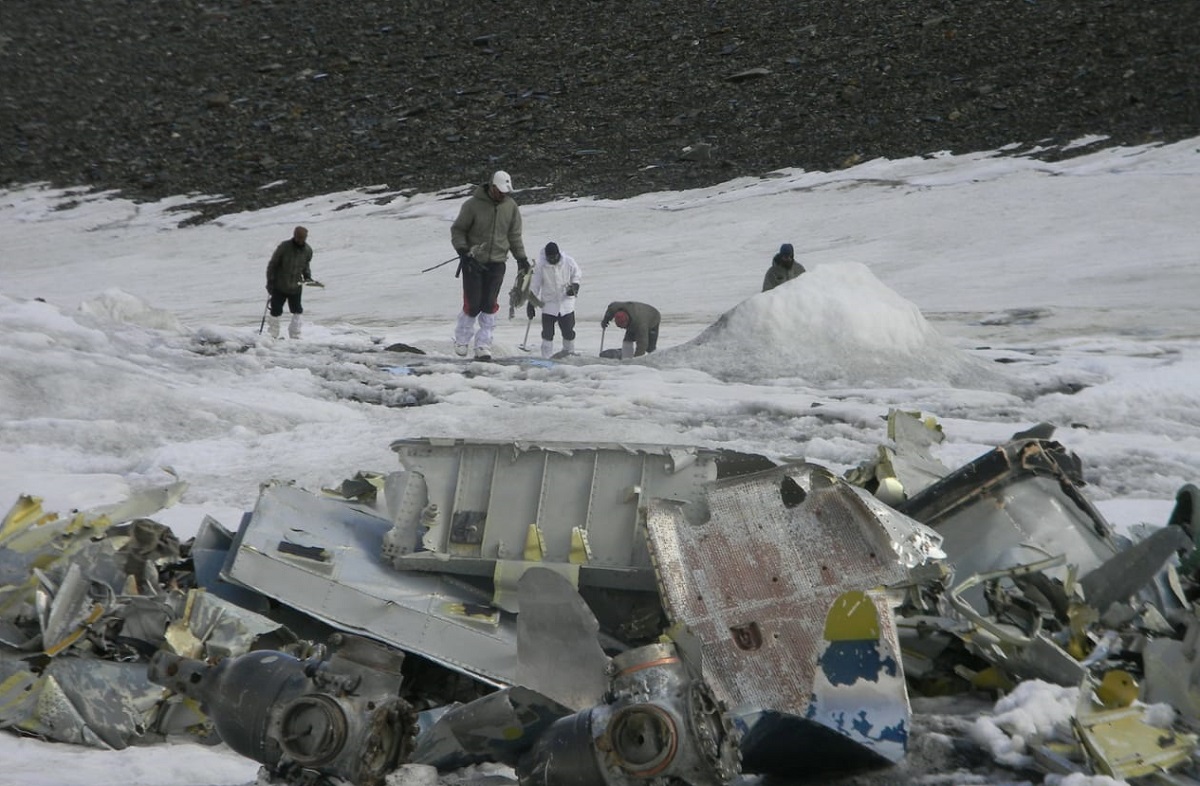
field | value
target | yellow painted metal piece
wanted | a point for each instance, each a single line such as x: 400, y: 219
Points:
x: 1122, y: 744
x: 989, y: 679
x: 535, y: 544
x: 179, y: 633
x: 485, y: 615
x: 581, y: 550
x: 1117, y: 689
x: 852, y: 617
x: 26, y: 512
x: 55, y: 647
x: 19, y: 694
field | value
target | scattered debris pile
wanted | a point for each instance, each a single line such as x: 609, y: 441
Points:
x: 607, y: 614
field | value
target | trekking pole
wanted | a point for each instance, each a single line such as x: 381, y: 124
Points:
x: 603, y: 330
x: 264, y: 319
x: 439, y: 264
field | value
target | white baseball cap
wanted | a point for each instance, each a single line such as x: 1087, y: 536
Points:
x: 502, y: 182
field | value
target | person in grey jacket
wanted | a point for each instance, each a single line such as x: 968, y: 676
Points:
x: 784, y: 268
x: 640, y: 322
x: 488, y: 227
x: 288, y: 270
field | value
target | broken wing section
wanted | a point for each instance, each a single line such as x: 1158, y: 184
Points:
x: 778, y: 582
x: 322, y: 556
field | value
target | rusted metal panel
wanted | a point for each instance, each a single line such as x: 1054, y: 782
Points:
x: 756, y: 579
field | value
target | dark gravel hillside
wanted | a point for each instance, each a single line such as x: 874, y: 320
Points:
x: 573, y: 97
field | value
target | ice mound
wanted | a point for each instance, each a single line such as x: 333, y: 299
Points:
x: 836, y: 324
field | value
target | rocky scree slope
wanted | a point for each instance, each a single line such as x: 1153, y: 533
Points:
x: 268, y: 102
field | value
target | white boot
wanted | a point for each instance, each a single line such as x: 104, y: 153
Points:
x: 273, y: 326
x: 464, y: 327
x: 568, y: 346
x: 547, y: 348
x: 294, y: 327
x: 483, y: 336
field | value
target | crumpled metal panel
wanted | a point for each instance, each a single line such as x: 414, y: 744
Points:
x: 82, y: 701
x: 756, y: 581
x: 1013, y: 505
x: 322, y: 556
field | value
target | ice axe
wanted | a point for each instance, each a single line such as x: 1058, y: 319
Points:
x: 439, y: 264
x: 524, y: 345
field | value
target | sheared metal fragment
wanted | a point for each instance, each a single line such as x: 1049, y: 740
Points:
x: 1172, y: 671
x: 905, y: 468
x: 92, y: 702
x: 756, y: 582
x: 1011, y: 506
x: 558, y: 650
x: 67, y: 612
x: 419, y: 612
x: 26, y: 512
x: 499, y: 727
x: 210, y: 628
x: 1128, y: 571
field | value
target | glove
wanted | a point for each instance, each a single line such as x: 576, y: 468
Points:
x: 604, y: 324
x: 469, y: 262
x: 530, y: 311
x: 270, y: 289
x: 522, y: 264
x: 572, y: 290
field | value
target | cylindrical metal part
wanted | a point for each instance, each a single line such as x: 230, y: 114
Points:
x: 237, y: 694
x: 564, y: 755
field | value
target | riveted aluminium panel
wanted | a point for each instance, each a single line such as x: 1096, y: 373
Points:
x: 756, y: 581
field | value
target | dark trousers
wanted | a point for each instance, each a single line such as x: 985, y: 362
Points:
x: 564, y: 321
x: 293, y: 303
x: 651, y: 338
x: 481, y: 288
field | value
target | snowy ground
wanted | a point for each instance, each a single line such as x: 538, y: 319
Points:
x: 129, y: 349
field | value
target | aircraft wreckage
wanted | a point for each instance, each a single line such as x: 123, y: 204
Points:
x: 605, y: 614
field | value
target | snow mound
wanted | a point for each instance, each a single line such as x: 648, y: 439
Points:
x: 834, y: 325
x: 116, y: 306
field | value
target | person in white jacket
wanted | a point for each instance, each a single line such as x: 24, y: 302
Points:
x: 555, y: 283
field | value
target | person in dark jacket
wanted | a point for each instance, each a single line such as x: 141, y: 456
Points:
x: 784, y: 267
x: 640, y: 322
x: 287, y: 272
x: 488, y: 227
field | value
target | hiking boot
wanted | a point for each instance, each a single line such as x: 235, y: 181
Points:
x: 460, y: 349
x: 483, y: 353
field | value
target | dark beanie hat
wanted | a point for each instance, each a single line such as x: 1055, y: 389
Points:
x: 785, y: 250
x: 552, y: 251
